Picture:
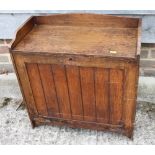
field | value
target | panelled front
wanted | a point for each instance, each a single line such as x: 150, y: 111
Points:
x: 84, y: 74
x: 91, y: 94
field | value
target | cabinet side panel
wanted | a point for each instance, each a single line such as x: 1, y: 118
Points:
x: 49, y: 89
x: 88, y: 93
x: 116, y: 94
x: 131, y: 82
x: 25, y: 84
x: 60, y: 79
x: 74, y: 86
x: 102, y: 94
x: 35, y: 81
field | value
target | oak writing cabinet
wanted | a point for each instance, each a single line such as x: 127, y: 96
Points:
x: 79, y: 70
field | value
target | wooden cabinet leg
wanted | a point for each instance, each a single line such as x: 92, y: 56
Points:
x: 129, y: 133
x: 33, y: 124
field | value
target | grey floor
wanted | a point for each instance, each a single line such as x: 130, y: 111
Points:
x: 15, y: 128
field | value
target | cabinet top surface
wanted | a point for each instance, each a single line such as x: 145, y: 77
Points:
x: 77, y: 39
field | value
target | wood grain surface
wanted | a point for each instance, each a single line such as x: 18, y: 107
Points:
x: 79, y: 70
x: 81, y: 40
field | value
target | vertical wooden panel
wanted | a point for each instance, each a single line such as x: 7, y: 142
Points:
x: 60, y: 79
x: 38, y: 93
x: 131, y: 82
x: 116, y: 92
x: 25, y: 85
x: 88, y: 93
x: 75, y: 92
x: 102, y: 94
x: 49, y: 89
